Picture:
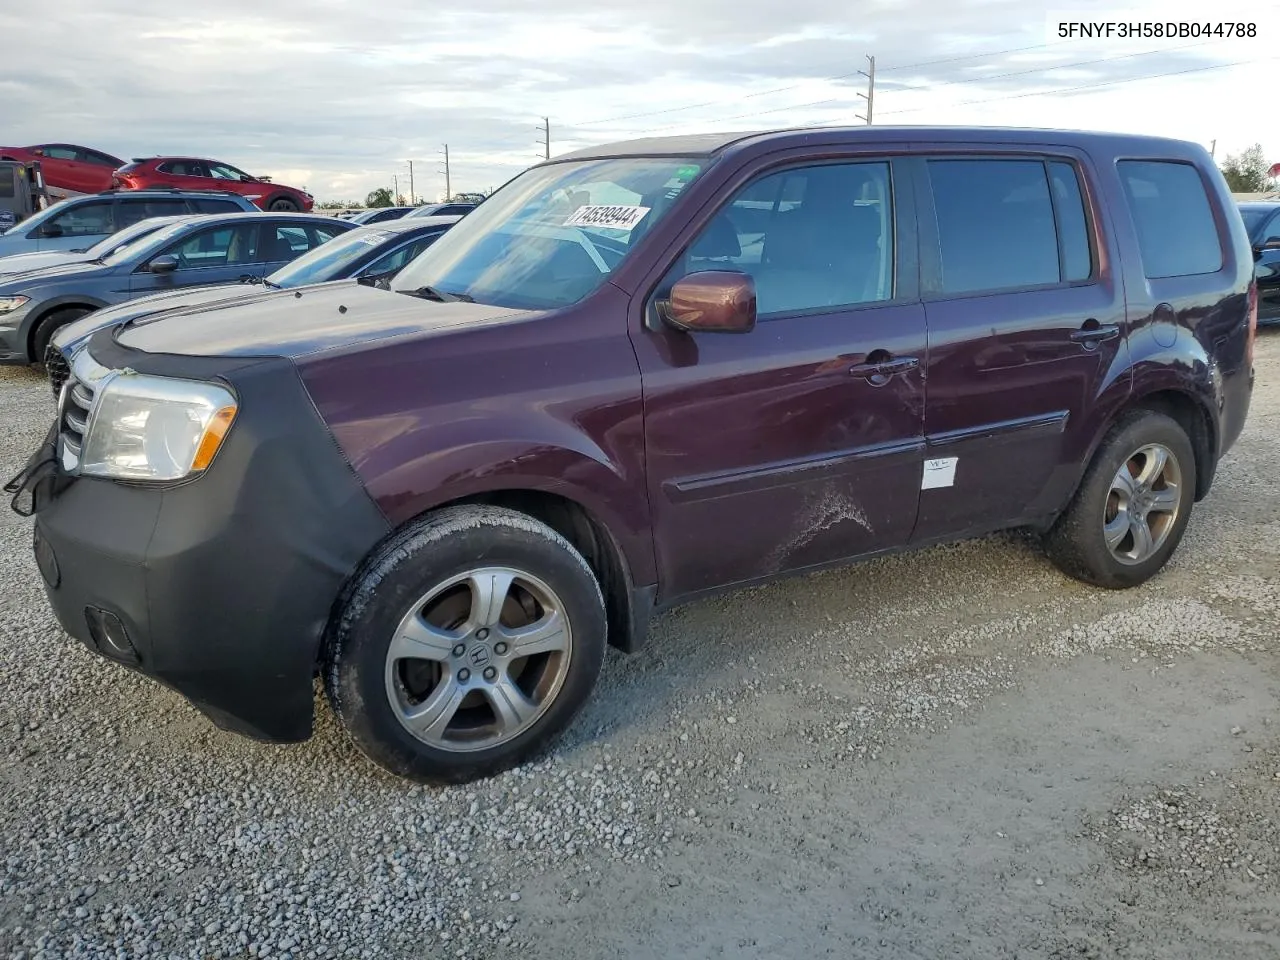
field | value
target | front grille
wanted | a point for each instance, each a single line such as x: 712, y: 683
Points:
x: 56, y: 366
x: 75, y: 403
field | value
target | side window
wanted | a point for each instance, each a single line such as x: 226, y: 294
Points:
x: 321, y: 235
x: 85, y: 220
x: 219, y: 247
x: 184, y: 168
x: 284, y: 243
x: 396, y: 259
x: 1176, y: 233
x: 995, y: 224
x: 129, y: 212
x: 94, y: 157
x: 812, y: 238
x: 1073, y: 226
x: 220, y: 171
x: 210, y: 205
x: 60, y: 152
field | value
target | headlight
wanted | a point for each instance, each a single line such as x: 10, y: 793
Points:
x: 9, y: 304
x: 155, y: 428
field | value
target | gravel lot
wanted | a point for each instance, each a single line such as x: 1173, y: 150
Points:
x: 955, y: 753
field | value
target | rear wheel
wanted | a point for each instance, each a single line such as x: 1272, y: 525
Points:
x: 1132, y: 507
x: 444, y: 667
x: 283, y: 205
x: 49, y: 325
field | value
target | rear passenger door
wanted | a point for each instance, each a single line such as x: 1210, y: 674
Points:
x: 215, y: 255
x: 1026, y: 336
x: 782, y: 448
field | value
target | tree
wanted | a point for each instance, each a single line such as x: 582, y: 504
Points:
x: 379, y: 198
x: 1248, y: 172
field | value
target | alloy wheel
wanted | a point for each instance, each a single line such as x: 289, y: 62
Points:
x: 1143, y: 504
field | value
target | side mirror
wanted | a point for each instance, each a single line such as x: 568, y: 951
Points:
x: 38, y: 152
x: 712, y: 301
x: 51, y: 230
x: 165, y: 264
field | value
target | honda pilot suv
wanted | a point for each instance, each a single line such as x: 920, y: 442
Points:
x: 637, y: 375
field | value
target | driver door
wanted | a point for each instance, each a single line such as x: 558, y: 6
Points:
x: 216, y: 255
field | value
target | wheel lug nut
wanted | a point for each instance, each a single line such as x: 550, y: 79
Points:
x: 499, y: 648
x: 490, y: 673
x: 459, y: 650
x: 482, y: 634
x: 464, y: 675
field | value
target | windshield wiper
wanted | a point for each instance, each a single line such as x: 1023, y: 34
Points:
x: 440, y: 296
x: 273, y: 286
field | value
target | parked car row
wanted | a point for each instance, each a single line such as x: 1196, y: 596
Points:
x: 640, y: 374
x: 1262, y: 221
x: 70, y: 169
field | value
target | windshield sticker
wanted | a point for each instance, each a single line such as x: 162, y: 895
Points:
x: 374, y: 239
x: 616, y: 217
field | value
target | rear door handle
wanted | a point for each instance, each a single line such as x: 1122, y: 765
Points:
x: 1093, y: 333
x: 878, y: 373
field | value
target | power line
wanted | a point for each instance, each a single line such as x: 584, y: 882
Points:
x: 945, y: 83
x: 1092, y: 86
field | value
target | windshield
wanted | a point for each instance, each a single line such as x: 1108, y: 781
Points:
x: 121, y: 238
x: 153, y: 242
x: 552, y: 235
x: 1253, y: 218
x: 329, y: 260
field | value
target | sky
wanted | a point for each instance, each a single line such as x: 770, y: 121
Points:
x: 338, y: 96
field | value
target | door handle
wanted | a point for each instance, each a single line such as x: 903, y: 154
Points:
x: 1094, y: 333
x: 879, y: 372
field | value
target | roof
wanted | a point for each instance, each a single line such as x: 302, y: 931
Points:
x: 407, y: 224
x: 709, y: 144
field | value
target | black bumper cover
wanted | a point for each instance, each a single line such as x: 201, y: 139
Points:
x: 225, y: 583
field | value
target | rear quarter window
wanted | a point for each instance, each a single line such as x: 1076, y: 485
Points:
x: 1177, y: 236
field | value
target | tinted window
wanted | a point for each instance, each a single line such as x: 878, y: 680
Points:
x: 1073, y: 227
x: 215, y: 248
x: 811, y: 238
x: 85, y: 219
x: 283, y: 243
x: 324, y: 234
x: 129, y: 212
x: 210, y: 205
x: 1176, y: 232
x: 8, y: 179
x: 60, y: 153
x: 183, y: 168
x: 995, y: 224
x: 101, y: 159
x: 398, y: 258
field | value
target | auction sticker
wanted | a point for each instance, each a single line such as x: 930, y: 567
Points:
x: 616, y: 216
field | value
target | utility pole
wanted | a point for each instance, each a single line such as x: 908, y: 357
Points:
x: 395, y: 185
x: 1213, y: 149
x: 870, y: 95
x: 546, y: 137
x: 411, y: 183
x: 448, y: 187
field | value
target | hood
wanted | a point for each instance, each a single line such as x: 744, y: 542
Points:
x: 305, y: 320
x: 58, y: 271
x: 69, y: 338
x: 26, y: 262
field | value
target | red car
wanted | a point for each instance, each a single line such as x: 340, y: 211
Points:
x: 187, y: 173
x: 68, y: 169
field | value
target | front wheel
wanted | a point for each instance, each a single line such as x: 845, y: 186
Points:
x: 443, y: 667
x: 1132, y: 507
x: 50, y: 325
x: 283, y: 205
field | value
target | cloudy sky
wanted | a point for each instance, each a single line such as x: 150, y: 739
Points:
x: 338, y: 95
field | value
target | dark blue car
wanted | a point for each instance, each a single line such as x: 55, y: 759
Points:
x: 194, y: 252
x: 370, y: 253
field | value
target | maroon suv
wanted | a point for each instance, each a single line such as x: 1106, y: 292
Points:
x: 636, y: 375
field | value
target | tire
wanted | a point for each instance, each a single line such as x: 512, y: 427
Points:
x: 1108, y: 503
x: 423, y: 582
x: 51, y: 324
x: 283, y: 205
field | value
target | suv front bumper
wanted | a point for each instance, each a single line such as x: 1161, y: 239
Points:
x: 220, y: 587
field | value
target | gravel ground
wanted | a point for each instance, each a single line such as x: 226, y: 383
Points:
x: 952, y: 753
